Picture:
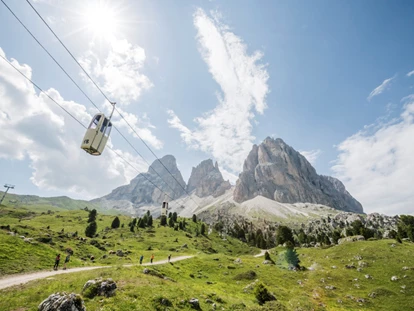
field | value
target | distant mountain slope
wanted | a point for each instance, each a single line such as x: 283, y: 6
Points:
x: 276, y: 171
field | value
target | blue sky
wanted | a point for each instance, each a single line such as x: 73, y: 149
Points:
x: 207, y: 79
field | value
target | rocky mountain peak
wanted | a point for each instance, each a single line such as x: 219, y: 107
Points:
x: 206, y: 179
x: 169, y: 162
x: 276, y: 171
x: 141, y: 189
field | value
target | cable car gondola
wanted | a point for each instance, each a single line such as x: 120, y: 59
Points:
x: 97, y: 134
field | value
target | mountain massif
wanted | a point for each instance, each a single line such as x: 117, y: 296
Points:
x: 278, y: 172
x: 272, y: 172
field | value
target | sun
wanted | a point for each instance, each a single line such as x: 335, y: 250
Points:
x: 101, y: 20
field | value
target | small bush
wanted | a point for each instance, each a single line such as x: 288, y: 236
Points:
x: 249, y: 275
x: 262, y: 294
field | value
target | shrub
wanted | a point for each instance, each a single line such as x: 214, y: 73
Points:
x: 90, y: 230
x: 262, y: 294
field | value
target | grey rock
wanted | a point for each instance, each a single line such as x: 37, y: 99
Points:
x: 100, y: 287
x: 194, y: 303
x: 394, y: 278
x: 62, y: 302
x: 206, y: 179
x: 278, y: 172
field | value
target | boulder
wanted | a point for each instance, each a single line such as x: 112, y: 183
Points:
x: 194, y: 303
x: 62, y: 302
x: 99, y: 287
x: 394, y: 278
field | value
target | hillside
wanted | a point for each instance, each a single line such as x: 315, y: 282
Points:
x: 223, y: 271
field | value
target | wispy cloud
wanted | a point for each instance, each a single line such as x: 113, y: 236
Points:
x: 376, y: 164
x: 381, y: 88
x: 225, y: 132
x: 311, y: 155
x: 411, y: 73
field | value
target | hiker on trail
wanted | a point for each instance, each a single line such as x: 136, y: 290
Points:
x: 152, y: 257
x: 141, y: 259
x: 55, y: 267
x: 169, y: 257
x: 66, y: 261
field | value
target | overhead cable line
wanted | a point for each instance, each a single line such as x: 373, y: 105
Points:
x: 106, y: 97
x: 77, y: 120
x: 83, y: 92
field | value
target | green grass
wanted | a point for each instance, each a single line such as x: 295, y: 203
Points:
x: 211, y: 275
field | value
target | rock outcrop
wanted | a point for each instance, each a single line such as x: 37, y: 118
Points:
x: 278, y: 172
x: 206, y: 179
x: 62, y: 302
x: 141, y: 189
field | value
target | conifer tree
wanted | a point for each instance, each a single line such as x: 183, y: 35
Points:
x: 115, y: 223
x: 292, y: 257
x: 174, y: 216
x: 149, y: 223
x: 194, y: 218
x: 92, y: 215
x: 171, y: 222
x: 203, y: 229
x: 163, y: 220
x: 90, y: 230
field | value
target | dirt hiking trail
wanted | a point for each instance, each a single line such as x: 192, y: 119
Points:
x: 13, y: 280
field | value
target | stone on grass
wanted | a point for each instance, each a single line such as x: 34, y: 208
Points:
x: 194, y: 303
x: 394, y: 278
x: 367, y: 276
x: 99, y: 287
x: 62, y: 302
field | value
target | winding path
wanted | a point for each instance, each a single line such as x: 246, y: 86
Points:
x: 13, y: 280
x: 262, y: 252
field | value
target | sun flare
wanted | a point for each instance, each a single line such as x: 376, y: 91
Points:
x: 101, y: 20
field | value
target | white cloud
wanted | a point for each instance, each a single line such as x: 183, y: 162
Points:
x: 229, y: 176
x: 120, y: 77
x: 381, y: 88
x: 120, y: 73
x: 411, y: 73
x: 33, y: 127
x: 225, y: 132
x: 311, y: 155
x: 141, y: 125
x: 377, y: 166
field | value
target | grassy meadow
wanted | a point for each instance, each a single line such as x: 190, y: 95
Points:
x: 222, y: 274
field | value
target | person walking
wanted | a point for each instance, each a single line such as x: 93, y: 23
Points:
x: 169, y: 257
x: 67, y: 259
x: 141, y: 259
x: 55, y: 267
x: 152, y: 257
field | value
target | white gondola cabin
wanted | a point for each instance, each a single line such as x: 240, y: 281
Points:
x: 164, y: 209
x: 97, y: 134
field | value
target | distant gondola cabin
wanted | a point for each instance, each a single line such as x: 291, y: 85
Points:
x: 96, y: 135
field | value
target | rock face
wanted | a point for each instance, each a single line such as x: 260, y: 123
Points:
x: 278, y: 172
x: 62, y: 302
x: 206, y: 179
x: 141, y: 189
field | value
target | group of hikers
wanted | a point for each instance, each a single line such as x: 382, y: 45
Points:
x: 57, y: 260
x: 67, y: 259
x: 151, y: 258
